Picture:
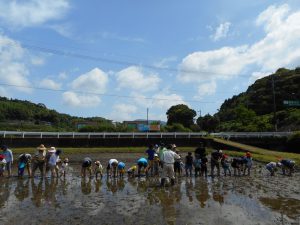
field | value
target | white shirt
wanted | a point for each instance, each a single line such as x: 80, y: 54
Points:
x: 169, y: 156
x: 53, y: 159
x: 111, y: 161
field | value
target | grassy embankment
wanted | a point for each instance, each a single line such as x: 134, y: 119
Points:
x: 258, y: 154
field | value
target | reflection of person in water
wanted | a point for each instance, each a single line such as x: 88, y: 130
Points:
x: 202, y: 193
x: 22, y: 189
x: 121, y: 184
x: 112, y: 185
x: 189, y: 188
x: 98, y: 184
x: 168, y: 200
x: 37, y: 192
x: 4, y: 192
x: 86, y: 186
x: 50, y: 191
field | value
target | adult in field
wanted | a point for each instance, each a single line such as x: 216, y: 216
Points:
x: 168, y: 158
x: 287, y: 165
x: 215, y: 161
x: 9, y: 159
x: 272, y: 167
x: 38, y: 160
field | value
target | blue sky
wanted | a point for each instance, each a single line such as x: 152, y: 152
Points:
x: 115, y: 59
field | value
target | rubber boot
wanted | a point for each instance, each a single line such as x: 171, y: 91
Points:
x: 162, y: 182
x: 172, y: 182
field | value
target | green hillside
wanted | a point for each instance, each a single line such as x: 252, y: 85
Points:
x: 262, y: 105
x: 27, y: 116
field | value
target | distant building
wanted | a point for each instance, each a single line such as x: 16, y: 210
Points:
x: 144, y: 125
x: 82, y: 124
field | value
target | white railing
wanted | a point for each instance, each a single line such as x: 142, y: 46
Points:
x: 73, y: 135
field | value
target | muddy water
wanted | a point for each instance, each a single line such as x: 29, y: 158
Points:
x: 259, y: 199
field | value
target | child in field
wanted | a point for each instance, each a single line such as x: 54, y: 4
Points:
x: 142, y: 164
x: 2, y: 165
x: 121, y: 169
x: 86, y: 166
x: 197, y: 165
x: 188, y: 164
x: 237, y: 164
x: 64, y: 167
x: 112, y: 167
x: 98, y: 170
x: 272, y: 167
x: 156, y: 163
x: 131, y: 171
x: 204, y: 162
x: 177, y: 165
x: 247, y: 163
x: 54, y: 158
x: 225, y: 164
x: 24, y: 160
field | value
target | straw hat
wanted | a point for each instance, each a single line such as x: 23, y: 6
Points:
x: 41, y: 147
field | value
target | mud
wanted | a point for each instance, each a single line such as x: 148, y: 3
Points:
x: 258, y: 199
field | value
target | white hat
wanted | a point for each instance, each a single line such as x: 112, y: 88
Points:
x: 220, y: 151
x: 52, y: 150
x: 155, y: 155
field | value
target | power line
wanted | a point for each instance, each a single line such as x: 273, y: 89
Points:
x: 121, y: 62
x: 103, y: 94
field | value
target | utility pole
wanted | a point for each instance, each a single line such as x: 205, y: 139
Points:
x: 274, y: 103
x: 147, y: 116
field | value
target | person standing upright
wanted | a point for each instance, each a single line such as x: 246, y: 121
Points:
x: 8, y: 157
x: 168, y: 158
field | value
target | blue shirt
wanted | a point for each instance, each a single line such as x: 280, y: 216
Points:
x: 142, y: 161
x: 150, y: 153
x: 121, y: 165
x: 8, y: 155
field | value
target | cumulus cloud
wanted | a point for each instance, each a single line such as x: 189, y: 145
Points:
x: 94, y: 81
x: 280, y: 47
x: 221, y: 31
x: 50, y: 84
x: 135, y: 79
x: 13, y: 68
x: 123, y: 112
x: 80, y: 100
x: 33, y: 12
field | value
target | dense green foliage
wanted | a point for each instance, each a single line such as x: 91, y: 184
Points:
x: 26, y: 116
x: 181, y: 114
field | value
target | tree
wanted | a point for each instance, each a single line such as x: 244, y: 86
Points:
x: 181, y: 114
x: 208, y: 123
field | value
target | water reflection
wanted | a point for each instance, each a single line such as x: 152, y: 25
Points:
x: 22, y: 189
x: 86, y: 186
x: 4, y: 192
x: 201, y: 192
x: 288, y: 206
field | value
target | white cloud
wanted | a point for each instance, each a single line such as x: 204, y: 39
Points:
x: 13, y: 68
x: 205, y: 89
x: 65, y: 30
x: 33, y: 12
x: 94, y: 81
x: 164, y: 63
x: 123, y: 112
x: 258, y: 75
x: 80, y: 100
x: 221, y: 31
x: 279, y: 48
x: 165, y: 101
x: 134, y: 78
x: 50, y: 84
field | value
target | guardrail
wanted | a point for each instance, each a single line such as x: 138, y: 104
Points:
x: 74, y: 135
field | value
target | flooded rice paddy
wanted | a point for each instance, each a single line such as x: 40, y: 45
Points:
x: 258, y: 199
